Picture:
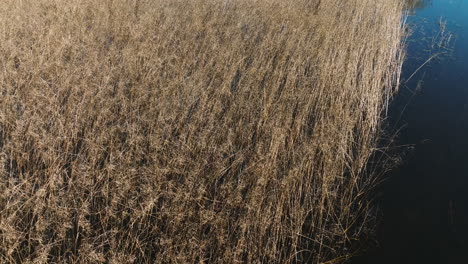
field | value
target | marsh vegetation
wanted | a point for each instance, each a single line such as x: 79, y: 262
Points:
x: 137, y: 131
x: 416, y: 4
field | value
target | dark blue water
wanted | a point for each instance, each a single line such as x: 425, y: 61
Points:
x: 425, y: 200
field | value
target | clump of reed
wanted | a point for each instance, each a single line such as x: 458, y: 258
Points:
x: 138, y: 131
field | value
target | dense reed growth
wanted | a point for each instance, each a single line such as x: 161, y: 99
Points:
x: 201, y: 131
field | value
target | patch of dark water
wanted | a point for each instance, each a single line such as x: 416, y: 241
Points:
x: 425, y: 200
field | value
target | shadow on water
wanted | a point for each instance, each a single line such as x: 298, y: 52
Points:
x: 425, y: 200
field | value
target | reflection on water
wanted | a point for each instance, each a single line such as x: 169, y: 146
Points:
x: 417, y: 4
x: 425, y: 201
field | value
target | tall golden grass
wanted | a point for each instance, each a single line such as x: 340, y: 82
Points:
x: 202, y: 131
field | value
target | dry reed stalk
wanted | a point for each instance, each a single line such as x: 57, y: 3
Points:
x: 138, y: 131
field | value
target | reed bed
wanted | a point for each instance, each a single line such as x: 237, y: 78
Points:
x: 177, y: 131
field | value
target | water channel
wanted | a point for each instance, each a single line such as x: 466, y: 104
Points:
x: 424, y: 201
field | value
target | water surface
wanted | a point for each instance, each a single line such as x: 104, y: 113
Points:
x: 425, y: 200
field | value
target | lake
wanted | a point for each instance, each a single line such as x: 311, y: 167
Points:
x: 424, y: 201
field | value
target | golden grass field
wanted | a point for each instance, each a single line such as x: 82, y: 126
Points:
x: 192, y: 131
